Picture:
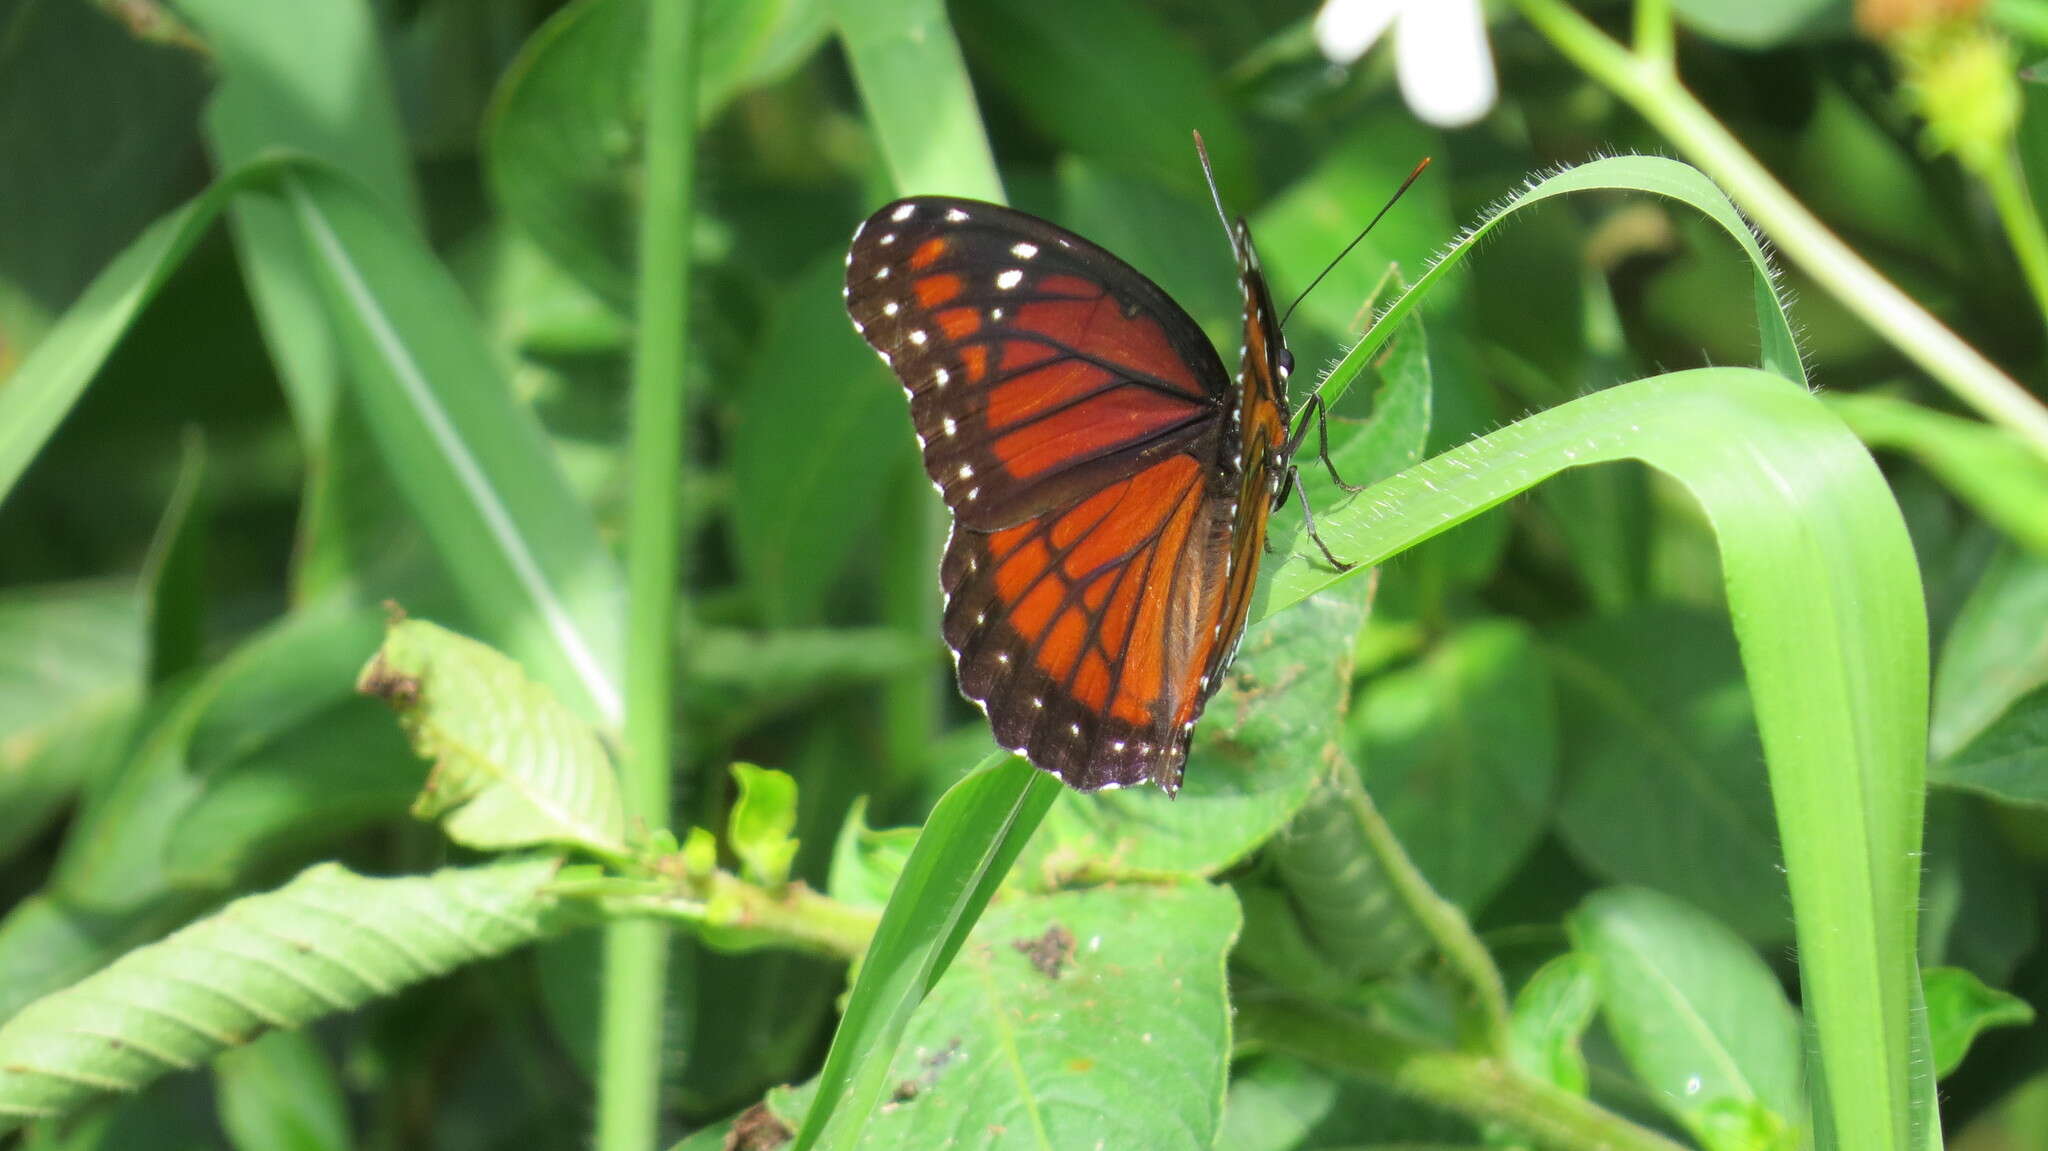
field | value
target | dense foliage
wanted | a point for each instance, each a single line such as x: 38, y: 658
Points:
x: 469, y: 668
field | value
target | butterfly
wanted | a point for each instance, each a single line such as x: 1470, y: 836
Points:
x: 1110, y: 482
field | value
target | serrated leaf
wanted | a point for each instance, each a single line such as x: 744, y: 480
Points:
x: 513, y: 766
x: 328, y: 941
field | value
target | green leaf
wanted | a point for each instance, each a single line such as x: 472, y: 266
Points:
x: 965, y: 850
x: 1986, y: 663
x: 175, y: 572
x: 1666, y: 789
x: 1960, y: 1007
x: 732, y: 680
x: 280, y: 1093
x: 513, y: 767
x: 762, y: 819
x: 1701, y: 1020
x: 473, y: 465
x: 1551, y: 1013
x: 1989, y: 467
x: 1262, y: 742
x: 866, y: 863
x: 326, y: 942
x: 818, y: 429
x: 1980, y: 912
x: 1070, y: 1020
x: 562, y: 143
x: 2008, y: 760
x: 919, y: 101
x: 1460, y: 754
x: 1824, y: 589
x: 1274, y: 1103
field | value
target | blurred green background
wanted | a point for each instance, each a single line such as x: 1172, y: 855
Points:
x: 1548, y: 700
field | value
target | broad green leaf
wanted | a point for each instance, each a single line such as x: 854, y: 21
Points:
x: 1073, y: 1020
x: 1665, y: 787
x: 2007, y: 760
x: 563, y: 139
x: 1989, y: 467
x: 1701, y: 1020
x: 1262, y: 742
x: 326, y: 942
x: 762, y: 819
x: 311, y: 783
x: 280, y: 1093
x: 1460, y: 754
x: 1960, y: 1007
x: 473, y: 465
x: 513, y: 767
x: 965, y: 850
x: 281, y: 677
x: 1335, y: 861
x: 1551, y: 1013
x: 817, y: 428
x: 1986, y: 662
x: 1824, y: 589
x: 71, y: 655
x: 733, y: 679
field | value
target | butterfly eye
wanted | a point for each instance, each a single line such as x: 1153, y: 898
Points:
x: 1286, y: 363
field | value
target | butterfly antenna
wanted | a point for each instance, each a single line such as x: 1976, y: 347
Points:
x: 1215, y: 196
x: 1331, y: 266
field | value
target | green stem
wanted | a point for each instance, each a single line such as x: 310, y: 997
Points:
x: 2008, y: 187
x: 636, y: 953
x: 1448, y: 929
x: 1655, y: 37
x: 742, y: 914
x: 1653, y: 90
x: 1484, y: 1088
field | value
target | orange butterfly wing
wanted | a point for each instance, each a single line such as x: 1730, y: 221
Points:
x: 1084, y: 435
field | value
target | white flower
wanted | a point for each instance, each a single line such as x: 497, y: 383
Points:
x: 1440, y: 51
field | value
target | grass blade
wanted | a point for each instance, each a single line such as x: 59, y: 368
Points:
x: 966, y: 848
x: 473, y: 464
x: 1826, y: 598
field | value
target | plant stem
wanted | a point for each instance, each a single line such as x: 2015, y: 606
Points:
x: 1440, y: 919
x: 1652, y: 88
x: 746, y: 915
x: 636, y: 953
x: 1483, y: 1088
x: 2008, y: 187
x: 1655, y: 36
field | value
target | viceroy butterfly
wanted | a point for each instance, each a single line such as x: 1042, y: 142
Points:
x: 1110, y: 483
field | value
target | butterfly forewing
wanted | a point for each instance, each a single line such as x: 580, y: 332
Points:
x: 1074, y: 419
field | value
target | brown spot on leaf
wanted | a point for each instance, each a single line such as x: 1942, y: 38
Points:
x: 757, y: 1129
x: 1049, y: 953
x: 383, y: 681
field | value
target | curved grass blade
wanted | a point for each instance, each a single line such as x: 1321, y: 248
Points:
x: 472, y: 463
x: 914, y: 85
x: 1653, y: 174
x: 1826, y: 598
x: 967, y: 846
x: 328, y: 941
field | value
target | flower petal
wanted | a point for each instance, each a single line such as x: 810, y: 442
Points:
x: 1445, y: 65
x: 1346, y: 28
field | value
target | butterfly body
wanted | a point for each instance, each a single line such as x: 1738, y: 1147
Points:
x: 1110, y: 483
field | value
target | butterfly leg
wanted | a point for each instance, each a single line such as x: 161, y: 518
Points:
x: 1309, y: 520
x: 1322, y: 441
